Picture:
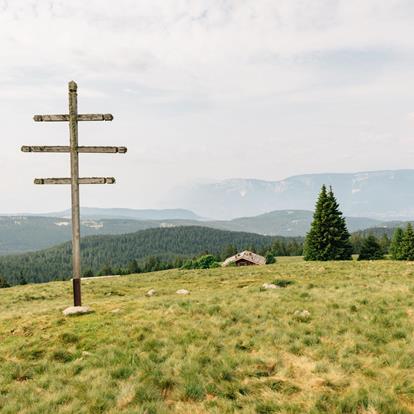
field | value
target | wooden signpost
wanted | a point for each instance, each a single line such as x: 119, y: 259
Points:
x: 73, y: 149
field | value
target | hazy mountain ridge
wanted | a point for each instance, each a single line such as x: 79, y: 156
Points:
x: 22, y: 234
x: 121, y: 213
x: 384, y: 195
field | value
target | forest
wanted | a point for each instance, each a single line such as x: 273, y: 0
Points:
x: 146, y: 250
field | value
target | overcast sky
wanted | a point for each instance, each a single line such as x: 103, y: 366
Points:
x: 203, y: 89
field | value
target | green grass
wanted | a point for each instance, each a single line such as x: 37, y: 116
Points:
x: 228, y: 347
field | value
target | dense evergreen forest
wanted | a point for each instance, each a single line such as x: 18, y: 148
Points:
x: 145, y: 250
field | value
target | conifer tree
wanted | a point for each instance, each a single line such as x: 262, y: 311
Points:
x: 407, y: 243
x: 3, y: 283
x: 328, y: 238
x: 371, y: 249
x: 133, y: 267
x: 384, y: 242
x: 395, y: 248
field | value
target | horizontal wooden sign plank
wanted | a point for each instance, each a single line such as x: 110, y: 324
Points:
x: 85, y: 180
x: 83, y: 149
x: 65, y: 117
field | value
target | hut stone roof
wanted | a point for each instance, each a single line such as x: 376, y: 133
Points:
x: 245, y: 255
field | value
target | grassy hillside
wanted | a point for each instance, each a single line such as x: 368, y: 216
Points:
x: 227, y: 347
x: 117, y: 250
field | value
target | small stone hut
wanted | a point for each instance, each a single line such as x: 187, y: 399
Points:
x: 245, y: 258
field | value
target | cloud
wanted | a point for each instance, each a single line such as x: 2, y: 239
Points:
x: 213, y: 88
x: 223, y: 48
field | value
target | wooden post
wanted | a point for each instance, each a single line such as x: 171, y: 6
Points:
x: 74, y: 173
x: 73, y: 118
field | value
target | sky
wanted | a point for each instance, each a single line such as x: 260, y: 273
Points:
x: 203, y: 90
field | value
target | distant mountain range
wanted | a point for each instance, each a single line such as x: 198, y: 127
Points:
x: 284, y: 208
x: 125, y: 213
x: 383, y: 195
x: 20, y: 234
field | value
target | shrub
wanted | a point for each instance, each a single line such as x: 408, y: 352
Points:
x: 207, y: 261
x: 283, y: 282
x: 270, y: 258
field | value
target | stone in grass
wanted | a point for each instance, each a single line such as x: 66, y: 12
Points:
x: 77, y: 310
x: 151, y: 292
x: 270, y: 286
x: 302, y: 315
x: 183, y: 292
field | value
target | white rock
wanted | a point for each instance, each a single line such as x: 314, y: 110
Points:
x: 270, y: 286
x: 151, y: 292
x: 117, y: 310
x: 77, y: 310
x: 302, y: 314
x: 183, y: 292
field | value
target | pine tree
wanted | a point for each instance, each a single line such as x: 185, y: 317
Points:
x: 133, y: 267
x: 3, y: 283
x: 328, y: 238
x: 229, y: 251
x: 395, y: 247
x: 371, y: 249
x: 384, y: 242
x: 407, y: 244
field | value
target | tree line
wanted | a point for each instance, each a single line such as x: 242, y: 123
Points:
x: 142, y: 251
x: 201, y: 247
x: 329, y: 239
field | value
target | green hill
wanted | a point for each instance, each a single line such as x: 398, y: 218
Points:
x: 22, y: 234
x: 117, y: 250
x: 29, y: 233
x: 228, y: 347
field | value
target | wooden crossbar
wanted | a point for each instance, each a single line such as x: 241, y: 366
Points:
x: 73, y: 149
x: 80, y: 117
x: 83, y: 149
x: 85, y: 180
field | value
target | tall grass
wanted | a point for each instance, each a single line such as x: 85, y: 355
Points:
x: 227, y: 347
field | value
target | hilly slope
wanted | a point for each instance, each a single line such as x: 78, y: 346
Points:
x: 23, y: 234
x: 116, y: 251
x: 228, y: 347
x: 384, y: 195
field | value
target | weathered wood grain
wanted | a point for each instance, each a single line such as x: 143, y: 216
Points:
x: 84, y: 180
x: 80, y: 117
x: 73, y: 149
x: 83, y: 149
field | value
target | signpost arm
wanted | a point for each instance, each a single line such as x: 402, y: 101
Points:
x: 74, y: 173
x: 73, y: 149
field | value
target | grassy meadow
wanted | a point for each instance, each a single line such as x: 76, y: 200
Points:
x: 228, y: 347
